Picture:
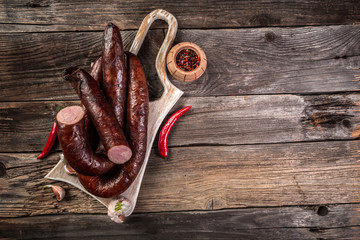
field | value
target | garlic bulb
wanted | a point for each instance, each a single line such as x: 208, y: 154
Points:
x: 118, y: 209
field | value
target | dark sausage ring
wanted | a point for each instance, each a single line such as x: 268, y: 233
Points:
x: 103, y: 117
x: 75, y: 145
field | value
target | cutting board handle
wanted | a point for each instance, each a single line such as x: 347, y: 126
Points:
x: 158, y: 14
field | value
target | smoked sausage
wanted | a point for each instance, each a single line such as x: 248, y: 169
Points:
x: 90, y: 131
x: 75, y: 145
x: 96, y: 71
x: 106, y: 124
x: 114, y: 71
x: 118, y: 179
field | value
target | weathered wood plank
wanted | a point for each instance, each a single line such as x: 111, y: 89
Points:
x: 33, y: 63
x: 267, y: 119
x: 24, y: 126
x: 202, y: 178
x: 341, y: 222
x: 276, y: 60
x: 50, y: 15
x: 244, y: 61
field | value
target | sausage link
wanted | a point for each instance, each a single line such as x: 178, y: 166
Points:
x: 114, y: 71
x: 117, y: 180
x: 96, y: 71
x: 75, y: 145
x: 90, y: 131
x: 91, y: 96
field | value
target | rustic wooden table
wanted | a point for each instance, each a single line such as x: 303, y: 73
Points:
x: 270, y: 149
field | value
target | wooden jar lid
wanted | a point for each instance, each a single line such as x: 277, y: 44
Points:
x: 182, y: 75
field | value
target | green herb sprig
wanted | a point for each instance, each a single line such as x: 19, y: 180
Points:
x: 118, y: 206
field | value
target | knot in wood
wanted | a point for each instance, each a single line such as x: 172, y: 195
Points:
x: 270, y: 37
x: 322, y: 211
x: 2, y: 170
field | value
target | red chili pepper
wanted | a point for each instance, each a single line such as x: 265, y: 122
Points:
x: 49, y: 143
x: 164, y: 133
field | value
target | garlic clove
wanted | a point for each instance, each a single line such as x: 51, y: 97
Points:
x: 59, y: 192
x: 69, y: 170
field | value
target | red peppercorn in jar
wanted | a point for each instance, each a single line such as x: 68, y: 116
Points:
x: 186, y: 61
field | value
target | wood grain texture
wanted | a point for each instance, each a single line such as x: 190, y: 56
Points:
x: 266, y: 119
x: 341, y: 222
x: 276, y: 60
x: 240, y: 61
x: 202, y: 178
x: 33, y: 63
x: 66, y: 15
x: 225, y: 120
x: 270, y: 149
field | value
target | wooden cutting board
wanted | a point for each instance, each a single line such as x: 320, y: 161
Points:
x: 157, y: 112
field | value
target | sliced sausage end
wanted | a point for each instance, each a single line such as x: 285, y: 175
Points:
x: 119, y: 154
x: 70, y: 115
